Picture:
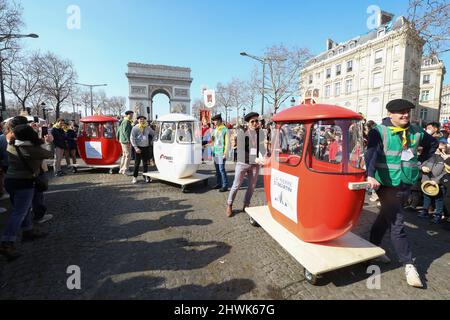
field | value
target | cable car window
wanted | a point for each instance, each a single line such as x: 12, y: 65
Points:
x: 290, y: 142
x: 168, y: 132
x: 156, y: 129
x: 92, y: 130
x: 185, y: 132
x: 336, y: 147
x: 108, y: 130
x: 356, y: 145
x: 327, y: 142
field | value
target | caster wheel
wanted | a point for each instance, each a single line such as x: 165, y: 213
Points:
x: 311, y: 278
x: 253, y: 222
x: 111, y: 171
x: 74, y: 170
x: 184, y: 190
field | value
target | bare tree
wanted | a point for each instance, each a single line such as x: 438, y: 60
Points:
x: 431, y: 20
x: 282, y: 77
x: 115, y: 105
x: 23, y: 78
x: 196, y: 107
x: 59, y: 78
x: 224, y: 99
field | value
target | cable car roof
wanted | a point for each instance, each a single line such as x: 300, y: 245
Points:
x: 176, y: 117
x: 315, y: 112
x: 98, y: 119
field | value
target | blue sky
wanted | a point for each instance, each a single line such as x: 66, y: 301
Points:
x: 206, y: 36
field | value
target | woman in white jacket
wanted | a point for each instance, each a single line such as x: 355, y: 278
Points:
x: 141, y: 143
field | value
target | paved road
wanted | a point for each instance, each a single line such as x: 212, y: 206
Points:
x: 154, y: 242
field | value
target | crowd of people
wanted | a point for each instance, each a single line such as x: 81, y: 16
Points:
x: 24, y: 145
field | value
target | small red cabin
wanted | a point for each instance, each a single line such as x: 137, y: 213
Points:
x: 97, y: 143
x: 317, y: 150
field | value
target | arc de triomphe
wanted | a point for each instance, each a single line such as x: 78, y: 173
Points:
x: 147, y: 80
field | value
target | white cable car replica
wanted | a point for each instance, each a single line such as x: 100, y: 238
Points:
x: 177, y: 148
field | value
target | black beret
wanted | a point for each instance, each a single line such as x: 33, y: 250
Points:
x: 399, y: 105
x: 217, y: 117
x: 250, y: 115
x: 141, y: 117
x: 129, y: 112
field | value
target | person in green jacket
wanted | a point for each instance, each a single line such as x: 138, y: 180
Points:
x: 392, y: 163
x: 220, y: 141
x: 123, y: 135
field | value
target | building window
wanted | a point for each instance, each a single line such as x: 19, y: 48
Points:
x: 350, y: 66
x: 427, y: 62
x: 338, y: 70
x: 377, y: 80
x: 327, y: 91
x: 310, y: 81
x: 328, y: 73
x: 348, y: 86
x: 379, y: 56
x: 426, y: 79
x: 423, y: 114
x: 340, y: 50
x: 352, y: 45
x: 337, y: 89
x: 330, y: 54
x: 425, y: 96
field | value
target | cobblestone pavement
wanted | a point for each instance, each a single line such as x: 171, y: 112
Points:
x: 151, y: 241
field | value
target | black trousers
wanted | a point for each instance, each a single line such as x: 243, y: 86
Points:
x: 392, y: 217
x: 144, y: 156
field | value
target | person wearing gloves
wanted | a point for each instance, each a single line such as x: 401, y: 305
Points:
x: 392, y: 164
x: 141, y: 143
x: 434, y: 170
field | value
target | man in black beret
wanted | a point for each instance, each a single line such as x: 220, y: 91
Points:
x: 392, y: 165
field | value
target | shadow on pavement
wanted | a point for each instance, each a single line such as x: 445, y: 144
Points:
x: 147, y: 288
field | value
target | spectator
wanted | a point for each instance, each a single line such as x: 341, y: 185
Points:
x: 433, y: 169
x: 59, y: 142
x: 432, y: 129
x: 220, y: 141
x: 392, y: 168
x: 26, y: 154
x: 140, y: 141
x: 3, y: 162
x: 446, y: 183
x: 123, y: 135
x: 248, y: 165
x: 72, y: 137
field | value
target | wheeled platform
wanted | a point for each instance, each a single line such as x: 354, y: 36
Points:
x: 317, y: 258
x: 83, y: 165
x: 184, y: 182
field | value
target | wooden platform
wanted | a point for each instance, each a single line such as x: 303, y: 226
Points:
x: 82, y: 165
x: 316, y: 258
x: 196, y: 177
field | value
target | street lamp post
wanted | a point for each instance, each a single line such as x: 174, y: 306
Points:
x: 263, y: 60
x: 43, y: 110
x: 91, y: 86
x: 4, y: 37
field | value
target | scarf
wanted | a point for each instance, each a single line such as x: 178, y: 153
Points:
x: 396, y: 130
x: 142, y: 127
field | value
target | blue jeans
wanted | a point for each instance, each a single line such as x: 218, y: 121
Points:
x: 438, y: 201
x: 221, y: 175
x: 20, y: 217
x: 242, y: 170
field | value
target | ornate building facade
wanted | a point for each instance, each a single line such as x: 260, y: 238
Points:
x: 366, y: 72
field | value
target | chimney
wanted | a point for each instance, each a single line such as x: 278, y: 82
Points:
x: 330, y: 44
x: 384, y: 18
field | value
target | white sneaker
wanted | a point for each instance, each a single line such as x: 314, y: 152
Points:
x: 412, y: 276
x: 134, y: 180
x: 374, y: 197
x: 46, y: 218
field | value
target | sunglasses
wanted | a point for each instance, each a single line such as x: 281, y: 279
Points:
x: 254, y: 121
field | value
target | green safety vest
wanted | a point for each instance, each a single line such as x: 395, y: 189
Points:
x: 390, y: 169
x: 220, y: 142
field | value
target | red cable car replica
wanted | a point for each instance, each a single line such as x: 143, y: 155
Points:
x: 97, y: 143
x: 315, y: 176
